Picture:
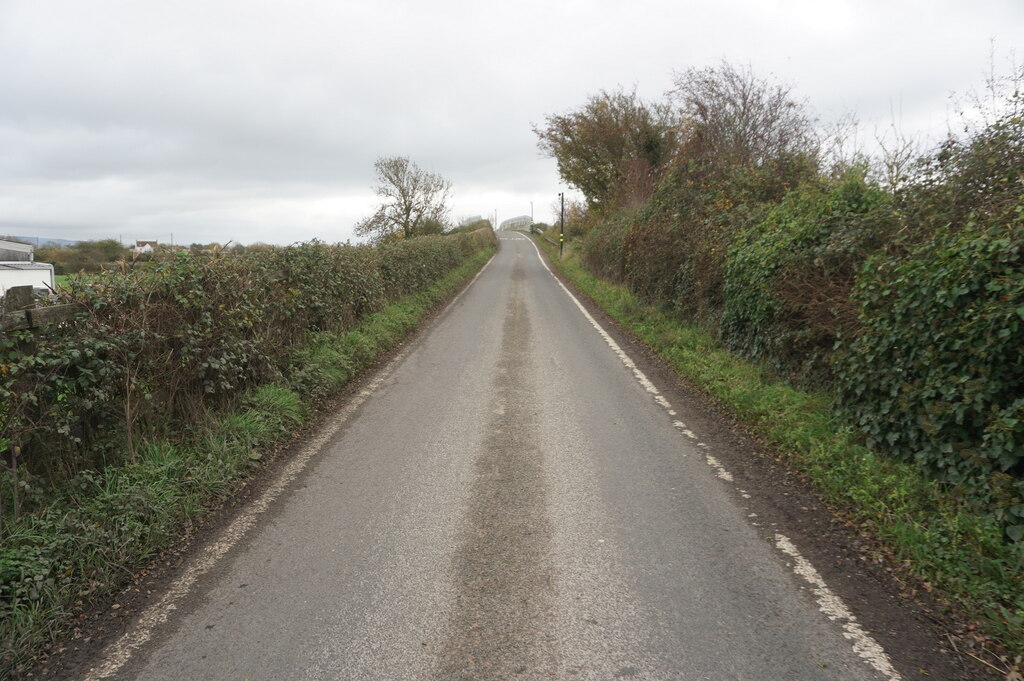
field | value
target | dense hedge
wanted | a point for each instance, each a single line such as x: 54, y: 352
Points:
x: 158, y: 344
x: 788, y: 277
x: 937, y: 376
x: 905, y: 304
x: 213, y: 387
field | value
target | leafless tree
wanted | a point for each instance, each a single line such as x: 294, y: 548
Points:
x: 738, y: 118
x: 841, y: 146
x: 899, y: 153
x: 1001, y: 97
x: 414, y: 200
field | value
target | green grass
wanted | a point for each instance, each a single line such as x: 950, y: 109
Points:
x: 63, y: 279
x: 959, y: 553
x: 94, y: 533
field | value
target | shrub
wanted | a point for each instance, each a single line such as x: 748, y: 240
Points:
x: 937, y: 376
x: 787, y: 279
x: 983, y: 173
x: 604, y: 247
x: 159, y: 344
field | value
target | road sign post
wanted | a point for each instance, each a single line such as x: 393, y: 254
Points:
x: 561, y: 225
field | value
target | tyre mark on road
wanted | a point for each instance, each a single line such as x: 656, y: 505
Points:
x: 503, y: 615
x: 140, y: 633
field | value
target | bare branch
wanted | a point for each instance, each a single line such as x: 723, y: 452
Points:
x: 736, y: 118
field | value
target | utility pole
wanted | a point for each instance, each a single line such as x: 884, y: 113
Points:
x: 561, y: 225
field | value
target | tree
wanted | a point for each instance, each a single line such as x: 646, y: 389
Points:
x: 415, y: 201
x: 613, y: 148
x: 735, y: 118
x: 84, y: 256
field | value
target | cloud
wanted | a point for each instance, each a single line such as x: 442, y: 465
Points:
x: 263, y: 119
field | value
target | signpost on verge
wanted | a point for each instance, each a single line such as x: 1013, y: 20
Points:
x: 561, y: 225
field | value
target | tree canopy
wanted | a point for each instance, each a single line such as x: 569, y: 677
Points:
x: 415, y: 201
x: 613, y: 147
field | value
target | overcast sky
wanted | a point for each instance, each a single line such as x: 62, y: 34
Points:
x: 257, y: 120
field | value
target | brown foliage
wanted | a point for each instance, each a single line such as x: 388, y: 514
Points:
x: 613, y: 148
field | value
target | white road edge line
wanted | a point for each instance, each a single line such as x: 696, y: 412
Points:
x: 833, y: 607
x: 119, y: 652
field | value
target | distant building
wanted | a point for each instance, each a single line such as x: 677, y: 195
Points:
x: 18, y: 267
x: 15, y: 251
x: 517, y: 223
x: 141, y: 247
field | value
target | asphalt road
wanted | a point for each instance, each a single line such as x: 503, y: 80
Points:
x: 509, y: 501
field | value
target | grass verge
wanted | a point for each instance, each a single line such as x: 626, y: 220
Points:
x: 958, y: 553
x: 95, y: 533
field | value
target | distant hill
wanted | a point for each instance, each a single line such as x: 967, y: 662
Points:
x: 39, y: 241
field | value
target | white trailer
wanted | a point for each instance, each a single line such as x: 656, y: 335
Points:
x: 38, y: 275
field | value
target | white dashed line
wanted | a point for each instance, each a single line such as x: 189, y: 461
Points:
x: 719, y: 468
x: 828, y: 602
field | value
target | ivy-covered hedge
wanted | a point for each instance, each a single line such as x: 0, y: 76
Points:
x: 160, y: 343
x: 904, y: 302
x: 937, y: 375
x: 787, y: 278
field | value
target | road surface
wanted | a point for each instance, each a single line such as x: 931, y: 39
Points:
x: 509, y: 499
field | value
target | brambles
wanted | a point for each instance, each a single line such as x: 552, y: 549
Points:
x: 91, y: 509
x: 159, y: 346
x: 788, y: 277
x: 937, y: 374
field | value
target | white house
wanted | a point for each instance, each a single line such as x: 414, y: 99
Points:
x: 18, y: 267
x: 144, y: 247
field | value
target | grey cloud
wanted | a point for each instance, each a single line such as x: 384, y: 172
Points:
x: 203, y: 116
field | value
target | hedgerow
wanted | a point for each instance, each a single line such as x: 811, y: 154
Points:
x: 900, y: 300
x: 937, y: 375
x: 157, y: 345
x: 120, y: 427
x: 787, y: 278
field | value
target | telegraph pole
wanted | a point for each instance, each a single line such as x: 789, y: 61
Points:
x: 561, y: 225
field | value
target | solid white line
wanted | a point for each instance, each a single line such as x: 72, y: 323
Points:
x: 119, y: 652
x: 828, y: 602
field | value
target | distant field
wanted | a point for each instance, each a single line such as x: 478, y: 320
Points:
x: 59, y: 279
